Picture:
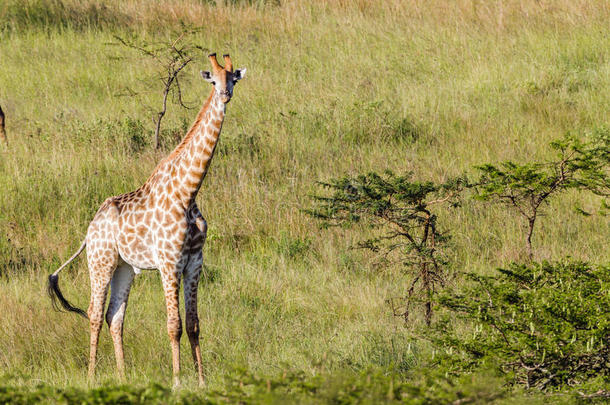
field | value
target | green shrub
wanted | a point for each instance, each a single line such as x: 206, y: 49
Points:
x: 545, y: 325
x: 404, y: 214
x: 526, y: 187
x: 244, y: 387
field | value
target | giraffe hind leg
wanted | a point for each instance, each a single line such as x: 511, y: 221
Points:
x: 100, y: 279
x: 102, y: 265
x: 102, y: 258
x: 120, y: 286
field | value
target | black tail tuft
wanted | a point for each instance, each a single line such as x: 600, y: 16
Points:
x: 55, y: 294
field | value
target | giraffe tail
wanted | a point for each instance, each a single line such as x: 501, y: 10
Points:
x: 54, y: 291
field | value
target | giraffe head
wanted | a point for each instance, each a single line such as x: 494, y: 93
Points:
x: 223, y: 78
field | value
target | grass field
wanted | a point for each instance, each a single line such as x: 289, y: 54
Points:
x: 332, y: 88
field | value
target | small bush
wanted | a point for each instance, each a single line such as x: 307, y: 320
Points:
x: 404, y: 214
x: 527, y: 187
x: 242, y: 386
x: 135, y: 133
x: 545, y: 325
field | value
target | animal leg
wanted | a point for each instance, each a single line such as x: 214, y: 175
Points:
x: 115, y: 315
x: 191, y: 282
x: 171, y: 286
x: 102, y: 258
x: 100, y: 278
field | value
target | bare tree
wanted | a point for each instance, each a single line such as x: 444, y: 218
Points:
x: 171, y: 58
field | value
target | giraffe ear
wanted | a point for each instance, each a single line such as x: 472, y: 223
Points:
x: 239, y: 74
x: 207, y: 76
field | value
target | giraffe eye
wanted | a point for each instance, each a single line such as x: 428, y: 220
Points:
x: 213, y: 83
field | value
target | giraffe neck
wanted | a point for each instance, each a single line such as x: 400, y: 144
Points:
x: 192, y: 157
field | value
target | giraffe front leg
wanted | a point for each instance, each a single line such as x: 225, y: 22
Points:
x: 120, y: 286
x: 191, y: 282
x: 171, y: 286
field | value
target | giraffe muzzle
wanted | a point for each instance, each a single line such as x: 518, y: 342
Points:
x: 225, y: 96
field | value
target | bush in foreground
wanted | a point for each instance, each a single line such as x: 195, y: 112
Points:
x: 544, y: 325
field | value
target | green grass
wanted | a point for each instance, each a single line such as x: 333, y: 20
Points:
x: 290, y: 388
x: 332, y: 88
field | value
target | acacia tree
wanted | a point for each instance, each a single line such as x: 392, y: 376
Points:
x: 543, y: 325
x: 404, y: 212
x: 527, y: 187
x: 170, y: 58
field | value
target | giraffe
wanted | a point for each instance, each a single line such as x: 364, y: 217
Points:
x: 157, y: 226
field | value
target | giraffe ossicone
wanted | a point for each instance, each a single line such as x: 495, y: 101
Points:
x: 157, y: 226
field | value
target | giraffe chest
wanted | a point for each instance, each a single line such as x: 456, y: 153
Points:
x: 149, y: 241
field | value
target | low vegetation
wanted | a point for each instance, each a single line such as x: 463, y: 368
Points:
x: 405, y: 213
x: 526, y: 187
x: 544, y: 325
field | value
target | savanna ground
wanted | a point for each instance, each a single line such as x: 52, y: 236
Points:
x: 332, y: 88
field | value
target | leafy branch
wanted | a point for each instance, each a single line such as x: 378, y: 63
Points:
x: 527, y: 187
x: 404, y: 212
x: 545, y: 324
